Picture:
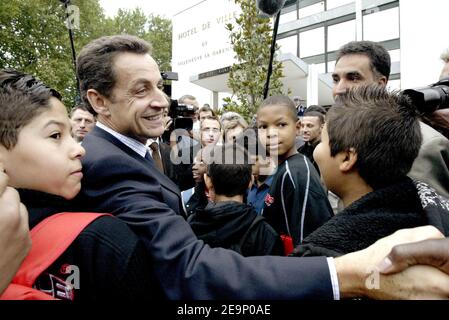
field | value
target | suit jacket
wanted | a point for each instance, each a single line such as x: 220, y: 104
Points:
x: 118, y: 180
x: 432, y: 164
x: 169, y: 168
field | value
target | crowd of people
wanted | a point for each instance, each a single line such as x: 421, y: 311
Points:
x: 296, y: 204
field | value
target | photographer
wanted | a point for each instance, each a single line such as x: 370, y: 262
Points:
x: 439, y: 120
x: 183, y: 146
x: 183, y: 118
x: 190, y: 100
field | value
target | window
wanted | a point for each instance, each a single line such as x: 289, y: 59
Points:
x: 395, y: 55
x: 381, y: 25
x: 289, y: 45
x: 287, y: 17
x: 321, y: 68
x: 394, y: 85
x: 337, y: 3
x: 311, y: 42
x: 311, y: 10
x: 340, y: 34
x: 331, y: 66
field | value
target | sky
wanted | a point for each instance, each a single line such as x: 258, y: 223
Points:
x: 167, y: 8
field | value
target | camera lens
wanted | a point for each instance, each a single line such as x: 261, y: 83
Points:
x: 431, y: 98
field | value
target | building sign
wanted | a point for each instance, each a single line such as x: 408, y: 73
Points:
x: 199, y: 34
x: 213, y: 73
x: 201, y: 42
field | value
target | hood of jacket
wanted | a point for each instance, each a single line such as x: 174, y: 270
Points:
x: 222, y: 224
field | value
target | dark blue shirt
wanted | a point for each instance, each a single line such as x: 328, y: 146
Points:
x: 256, y: 196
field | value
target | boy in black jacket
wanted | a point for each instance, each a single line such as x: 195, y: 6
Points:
x: 368, y: 146
x: 296, y: 204
x: 228, y: 222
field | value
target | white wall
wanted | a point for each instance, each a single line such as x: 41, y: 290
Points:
x: 424, y: 36
x: 201, y: 43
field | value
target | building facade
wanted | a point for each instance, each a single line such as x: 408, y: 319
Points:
x: 310, y: 33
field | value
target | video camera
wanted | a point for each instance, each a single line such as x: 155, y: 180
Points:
x: 431, y: 98
x: 182, y: 115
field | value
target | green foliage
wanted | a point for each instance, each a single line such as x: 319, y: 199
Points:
x: 153, y: 28
x: 35, y: 39
x: 251, y: 40
x: 160, y: 35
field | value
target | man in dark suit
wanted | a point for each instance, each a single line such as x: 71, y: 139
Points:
x: 123, y: 86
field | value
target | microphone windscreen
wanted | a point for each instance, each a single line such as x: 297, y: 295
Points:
x: 270, y: 7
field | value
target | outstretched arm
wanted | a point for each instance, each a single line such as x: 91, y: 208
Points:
x: 14, y: 233
x: 359, y: 274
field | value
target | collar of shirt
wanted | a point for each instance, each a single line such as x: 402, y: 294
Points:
x: 135, y: 145
x: 150, y: 141
x: 266, y: 183
x: 269, y: 181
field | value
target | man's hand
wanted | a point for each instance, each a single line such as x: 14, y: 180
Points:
x: 14, y: 232
x: 359, y: 275
x: 439, y: 120
x: 429, y: 252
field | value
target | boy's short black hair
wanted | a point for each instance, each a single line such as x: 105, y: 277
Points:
x: 229, y: 170
x: 382, y: 127
x: 316, y: 108
x: 22, y: 98
x: 281, y: 101
x: 316, y: 114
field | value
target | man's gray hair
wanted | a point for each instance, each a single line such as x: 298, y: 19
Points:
x: 230, y: 115
x: 445, y: 55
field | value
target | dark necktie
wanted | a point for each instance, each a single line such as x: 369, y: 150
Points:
x: 154, y: 146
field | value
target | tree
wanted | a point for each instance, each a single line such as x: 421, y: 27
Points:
x: 35, y: 39
x: 31, y: 34
x: 153, y: 28
x: 251, y: 41
x: 160, y: 36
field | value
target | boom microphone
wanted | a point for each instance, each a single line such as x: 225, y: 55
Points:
x: 270, y: 7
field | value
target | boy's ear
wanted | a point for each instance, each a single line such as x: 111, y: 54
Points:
x: 98, y: 102
x: 298, y: 126
x: 349, y: 159
x: 208, y: 182
x: 210, y: 191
